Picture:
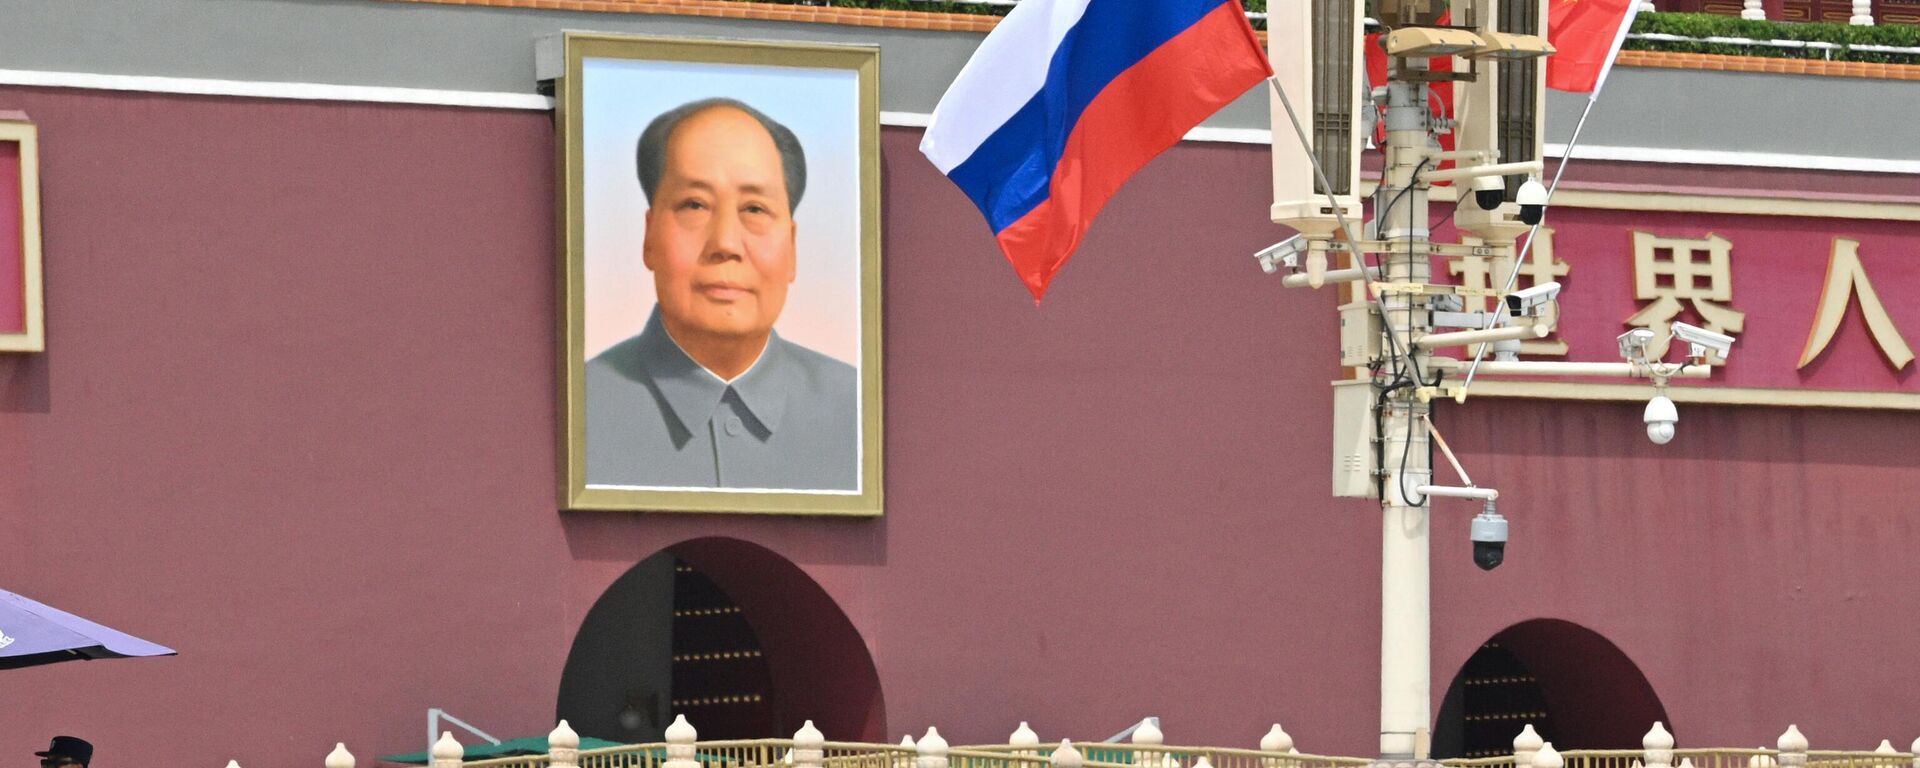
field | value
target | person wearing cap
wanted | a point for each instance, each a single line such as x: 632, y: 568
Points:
x: 708, y: 395
x: 66, y: 751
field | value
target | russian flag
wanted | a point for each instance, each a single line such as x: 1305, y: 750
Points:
x: 1066, y: 99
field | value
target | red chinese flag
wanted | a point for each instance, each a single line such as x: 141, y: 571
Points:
x: 1586, y: 36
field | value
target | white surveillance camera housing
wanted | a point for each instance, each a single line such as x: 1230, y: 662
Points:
x: 1633, y: 345
x: 1703, y: 341
x: 1489, y: 535
x: 1533, y: 201
x: 1285, y: 253
x: 1528, y: 301
x: 1660, y: 417
x: 1489, y: 192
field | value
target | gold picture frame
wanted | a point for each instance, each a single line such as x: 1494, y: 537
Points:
x: 31, y: 336
x: 698, y: 70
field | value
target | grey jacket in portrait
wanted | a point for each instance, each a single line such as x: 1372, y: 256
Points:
x: 655, y: 418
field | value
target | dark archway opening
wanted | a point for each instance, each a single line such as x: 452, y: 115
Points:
x: 1574, y: 686
x: 728, y: 633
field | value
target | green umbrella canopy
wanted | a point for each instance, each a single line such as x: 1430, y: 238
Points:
x: 531, y: 745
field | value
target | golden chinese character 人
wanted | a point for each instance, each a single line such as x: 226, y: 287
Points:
x: 1675, y: 273
x: 1847, y: 279
x: 1540, y: 267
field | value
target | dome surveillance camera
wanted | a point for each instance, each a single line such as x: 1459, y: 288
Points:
x: 1533, y: 201
x: 1489, y: 192
x: 1660, y: 417
x: 1489, y: 535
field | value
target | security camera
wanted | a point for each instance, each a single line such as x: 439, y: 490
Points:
x: 1633, y: 344
x: 1660, y: 417
x: 1702, y: 341
x: 1489, y: 535
x: 1524, y: 302
x: 1533, y: 201
x: 1489, y: 192
x: 1285, y: 253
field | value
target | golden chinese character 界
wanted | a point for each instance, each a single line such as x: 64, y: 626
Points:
x: 1674, y: 273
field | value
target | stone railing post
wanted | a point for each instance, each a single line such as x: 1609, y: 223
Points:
x: 1658, y: 745
x: 1915, y: 749
x: 1548, y: 757
x: 1525, y: 746
x: 447, y: 752
x: 563, y: 747
x: 1276, y: 740
x: 1752, y: 11
x: 339, y: 757
x: 903, y: 761
x: 1025, y: 742
x: 809, y: 747
x: 1148, y: 735
x: 1862, y: 13
x: 1793, y: 748
x: 233, y: 764
x: 933, y: 750
x: 680, y: 737
x: 1762, y: 760
x: 1066, y: 756
x: 1886, y: 748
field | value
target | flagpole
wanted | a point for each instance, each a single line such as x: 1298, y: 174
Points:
x: 1566, y: 157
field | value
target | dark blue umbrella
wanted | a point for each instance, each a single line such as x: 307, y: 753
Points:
x: 33, y: 633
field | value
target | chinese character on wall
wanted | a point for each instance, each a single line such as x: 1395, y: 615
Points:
x: 1677, y: 273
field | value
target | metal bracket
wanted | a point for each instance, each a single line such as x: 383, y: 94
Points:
x: 1431, y: 289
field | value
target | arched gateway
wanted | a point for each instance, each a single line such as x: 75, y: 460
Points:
x: 1576, y: 687
x: 729, y: 633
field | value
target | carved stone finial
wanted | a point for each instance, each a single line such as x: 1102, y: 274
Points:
x: 1276, y: 740
x: 1066, y: 756
x: 340, y: 757
x: 1548, y: 757
x: 1024, y: 736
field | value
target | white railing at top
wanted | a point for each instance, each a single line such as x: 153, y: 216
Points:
x: 1824, y: 47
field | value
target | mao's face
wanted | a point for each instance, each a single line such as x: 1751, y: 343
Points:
x: 720, y: 230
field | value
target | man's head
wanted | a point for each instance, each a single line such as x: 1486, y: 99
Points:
x: 66, y: 751
x: 721, y: 181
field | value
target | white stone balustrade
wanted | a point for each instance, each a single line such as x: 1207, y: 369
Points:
x: 932, y: 750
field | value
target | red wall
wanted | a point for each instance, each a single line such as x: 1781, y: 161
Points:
x: 296, y: 420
